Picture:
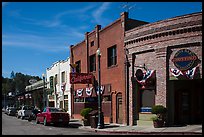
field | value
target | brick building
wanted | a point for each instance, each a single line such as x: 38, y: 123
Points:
x: 110, y: 40
x: 171, y: 51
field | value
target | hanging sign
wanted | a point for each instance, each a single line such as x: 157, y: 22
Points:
x: 81, y: 78
x: 142, y: 77
x: 184, y: 59
x: 32, y: 81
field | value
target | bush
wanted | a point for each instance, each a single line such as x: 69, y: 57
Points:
x: 85, y: 112
x: 159, y: 109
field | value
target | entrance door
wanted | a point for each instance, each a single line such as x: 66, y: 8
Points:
x: 188, y: 98
x: 182, y: 106
x: 119, y: 109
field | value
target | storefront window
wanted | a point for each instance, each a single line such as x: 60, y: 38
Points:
x: 65, y: 96
x: 147, y: 100
x: 78, y: 99
x: 66, y: 105
x: 91, y: 99
x: 106, y: 98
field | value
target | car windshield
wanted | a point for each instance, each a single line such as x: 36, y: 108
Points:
x: 54, y: 110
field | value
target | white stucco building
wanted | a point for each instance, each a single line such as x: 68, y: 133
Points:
x: 58, y: 85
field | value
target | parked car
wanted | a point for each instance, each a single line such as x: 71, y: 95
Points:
x: 33, y: 116
x: 24, y: 111
x: 6, y: 110
x: 53, y: 115
x: 12, y: 111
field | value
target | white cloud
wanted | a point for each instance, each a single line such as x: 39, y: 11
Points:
x: 97, y: 14
x: 56, y: 21
x: 43, y: 43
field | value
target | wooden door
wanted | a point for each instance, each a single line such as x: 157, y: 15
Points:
x: 119, y: 109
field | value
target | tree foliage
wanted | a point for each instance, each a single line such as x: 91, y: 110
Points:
x: 16, y: 83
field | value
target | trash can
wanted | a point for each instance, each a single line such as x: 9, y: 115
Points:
x: 93, y: 118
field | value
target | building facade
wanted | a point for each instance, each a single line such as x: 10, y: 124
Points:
x: 33, y: 95
x: 169, y: 54
x: 58, y: 88
x: 110, y: 41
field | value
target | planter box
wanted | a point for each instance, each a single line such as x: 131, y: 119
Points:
x: 158, y: 123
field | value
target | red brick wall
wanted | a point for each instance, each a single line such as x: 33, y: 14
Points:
x: 115, y: 76
x: 175, y: 34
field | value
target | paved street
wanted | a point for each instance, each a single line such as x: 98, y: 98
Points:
x: 13, y: 126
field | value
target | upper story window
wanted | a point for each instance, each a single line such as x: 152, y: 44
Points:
x: 112, y: 56
x: 92, y: 63
x: 92, y: 43
x: 56, y: 79
x: 78, y: 67
x: 51, y: 82
x: 63, y: 76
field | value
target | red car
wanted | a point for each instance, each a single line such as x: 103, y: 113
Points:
x: 53, y: 115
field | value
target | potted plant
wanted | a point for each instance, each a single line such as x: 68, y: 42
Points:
x: 85, y: 114
x: 159, y: 118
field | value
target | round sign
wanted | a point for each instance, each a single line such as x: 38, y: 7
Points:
x: 31, y: 81
x: 184, y: 59
x: 139, y: 74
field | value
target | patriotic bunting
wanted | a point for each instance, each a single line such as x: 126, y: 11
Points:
x: 189, y: 73
x: 176, y: 72
x: 89, y: 91
x: 146, y: 75
x: 63, y: 86
x: 102, y: 89
x: 80, y: 92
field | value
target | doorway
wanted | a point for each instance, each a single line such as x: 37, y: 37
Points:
x: 119, y: 114
x: 188, y: 102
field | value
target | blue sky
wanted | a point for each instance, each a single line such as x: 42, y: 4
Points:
x: 37, y: 34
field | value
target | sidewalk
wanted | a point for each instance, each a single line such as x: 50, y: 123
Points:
x: 145, y: 130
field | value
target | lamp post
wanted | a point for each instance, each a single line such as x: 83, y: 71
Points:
x: 44, y: 95
x: 100, y: 113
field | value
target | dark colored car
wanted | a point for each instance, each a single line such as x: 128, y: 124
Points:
x: 12, y: 111
x: 34, y: 114
x: 53, y: 115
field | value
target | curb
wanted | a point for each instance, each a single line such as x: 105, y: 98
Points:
x: 139, y: 132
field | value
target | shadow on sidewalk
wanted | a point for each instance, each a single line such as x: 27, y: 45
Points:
x: 74, y: 125
x: 177, y: 125
x: 110, y: 126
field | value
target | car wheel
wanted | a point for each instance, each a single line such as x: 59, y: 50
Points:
x: 45, y: 122
x: 65, y: 124
x: 22, y: 117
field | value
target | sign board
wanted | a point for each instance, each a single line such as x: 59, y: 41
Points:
x: 32, y: 81
x: 81, y: 78
x: 184, y: 59
x: 139, y: 74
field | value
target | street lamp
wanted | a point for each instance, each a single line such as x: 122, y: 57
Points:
x: 100, y: 113
x: 44, y: 95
